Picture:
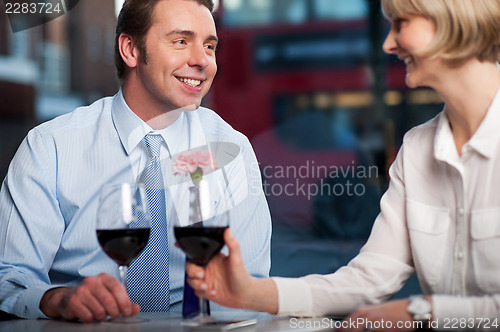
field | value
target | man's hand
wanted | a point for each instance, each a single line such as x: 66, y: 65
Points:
x: 93, y: 300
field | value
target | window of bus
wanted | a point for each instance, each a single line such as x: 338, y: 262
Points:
x: 258, y: 12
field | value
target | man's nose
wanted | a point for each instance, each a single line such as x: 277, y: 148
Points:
x: 199, y: 57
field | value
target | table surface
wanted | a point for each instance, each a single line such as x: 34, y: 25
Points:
x: 172, y: 322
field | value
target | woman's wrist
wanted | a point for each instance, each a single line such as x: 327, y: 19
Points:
x: 261, y: 295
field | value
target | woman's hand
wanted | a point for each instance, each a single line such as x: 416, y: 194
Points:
x: 226, y: 281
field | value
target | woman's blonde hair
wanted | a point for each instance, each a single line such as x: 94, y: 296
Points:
x: 464, y: 28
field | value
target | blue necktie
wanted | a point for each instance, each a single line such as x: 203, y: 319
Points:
x: 148, y: 276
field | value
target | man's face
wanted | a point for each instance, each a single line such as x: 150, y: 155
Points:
x: 180, y: 51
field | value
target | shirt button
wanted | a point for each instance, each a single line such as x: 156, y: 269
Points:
x: 460, y: 255
x: 461, y: 211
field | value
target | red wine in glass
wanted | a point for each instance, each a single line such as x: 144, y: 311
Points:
x: 123, y: 245
x: 200, y: 244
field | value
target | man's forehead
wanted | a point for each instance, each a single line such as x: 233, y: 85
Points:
x: 180, y: 4
x: 179, y: 16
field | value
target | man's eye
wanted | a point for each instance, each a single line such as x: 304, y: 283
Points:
x: 211, y: 47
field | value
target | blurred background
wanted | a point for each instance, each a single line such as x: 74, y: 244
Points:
x: 305, y: 80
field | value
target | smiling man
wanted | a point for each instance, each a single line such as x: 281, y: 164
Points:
x: 50, y: 262
x: 173, y: 65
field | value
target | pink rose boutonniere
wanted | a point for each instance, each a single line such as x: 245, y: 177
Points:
x: 194, y: 163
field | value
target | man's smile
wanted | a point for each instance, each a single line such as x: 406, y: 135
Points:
x: 192, y: 82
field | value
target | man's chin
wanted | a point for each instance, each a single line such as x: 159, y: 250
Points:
x: 191, y: 107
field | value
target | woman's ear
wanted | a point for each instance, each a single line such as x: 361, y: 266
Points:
x: 128, y: 51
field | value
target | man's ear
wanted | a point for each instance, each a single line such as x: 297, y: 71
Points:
x: 128, y: 51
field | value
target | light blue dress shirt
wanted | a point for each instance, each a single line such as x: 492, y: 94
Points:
x: 49, y: 197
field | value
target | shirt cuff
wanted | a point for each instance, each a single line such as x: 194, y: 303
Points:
x: 294, y: 297
x: 446, y: 309
x: 28, y: 303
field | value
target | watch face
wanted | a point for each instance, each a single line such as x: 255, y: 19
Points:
x: 419, y: 306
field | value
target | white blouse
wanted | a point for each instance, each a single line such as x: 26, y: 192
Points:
x: 440, y: 218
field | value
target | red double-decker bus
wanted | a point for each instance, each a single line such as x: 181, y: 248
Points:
x: 276, y: 50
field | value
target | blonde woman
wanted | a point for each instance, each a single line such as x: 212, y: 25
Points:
x: 440, y: 216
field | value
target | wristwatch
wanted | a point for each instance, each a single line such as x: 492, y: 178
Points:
x: 420, y: 310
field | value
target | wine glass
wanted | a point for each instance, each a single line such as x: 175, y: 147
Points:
x: 123, y: 225
x: 200, y: 234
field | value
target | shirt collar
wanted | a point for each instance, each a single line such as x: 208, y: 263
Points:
x: 483, y: 141
x: 444, y: 145
x: 487, y: 135
x: 185, y: 133
x: 130, y: 128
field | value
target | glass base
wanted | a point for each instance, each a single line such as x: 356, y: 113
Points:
x: 125, y: 320
x: 199, y: 320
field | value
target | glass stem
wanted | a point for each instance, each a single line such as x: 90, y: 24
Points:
x: 123, y: 269
x: 203, y: 307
